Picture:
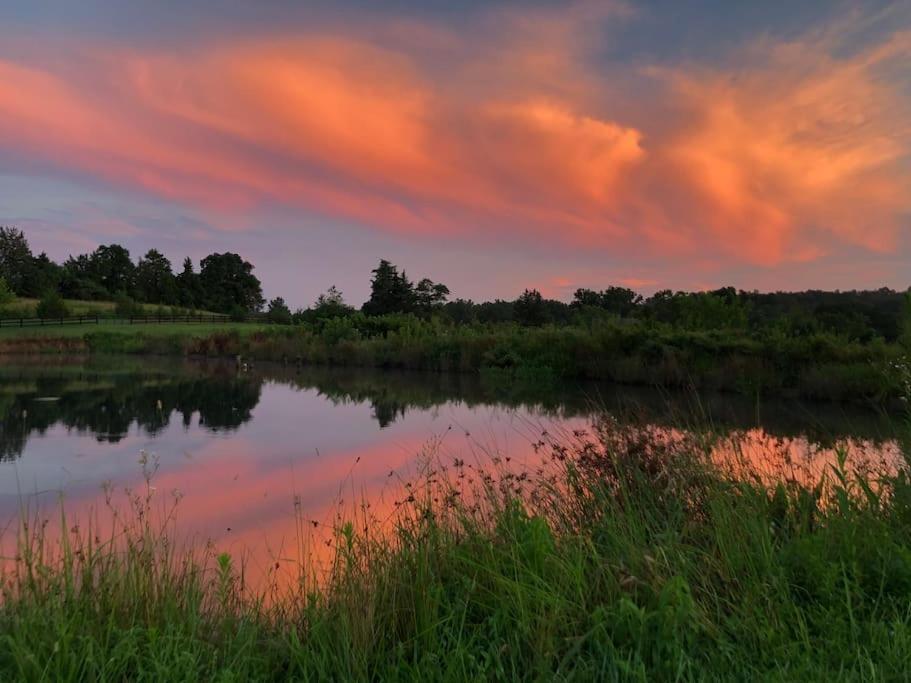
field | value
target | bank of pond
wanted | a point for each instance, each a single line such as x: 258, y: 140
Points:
x: 815, y: 366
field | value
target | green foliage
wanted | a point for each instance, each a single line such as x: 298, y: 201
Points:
x: 15, y: 258
x: 52, y: 305
x: 530, y: 309
x: 227, y: 282
x: 155, y: 283
x: 189, y: 288
x: 278, y: 312
x: 617, y: 300
x: 126, y: 307
x: 390, y: 291
x: 7, y: 296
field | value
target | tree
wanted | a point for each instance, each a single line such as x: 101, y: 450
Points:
x: 155, y: 283
x: 76, y: 280
x: 43, y: 275
x: 331, y: 305
x: 530, y: 309
x: 390, y: 292
x: 111, y: 268
x: 279, y: 312
x: 430, y: 295
x: 618, y: 300
x: 15, y: 259
x: 227, y: 283
x: 189, y: 293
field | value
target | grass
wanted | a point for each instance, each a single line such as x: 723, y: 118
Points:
x: 122, y: 327
x: 625, y: 557
x: 25, y: 307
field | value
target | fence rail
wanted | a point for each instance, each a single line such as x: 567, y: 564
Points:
x: 126, y: 320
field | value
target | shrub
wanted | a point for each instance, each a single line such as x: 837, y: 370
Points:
x: 6, y: 294
x: 125, y: 307
x: 52, y: 305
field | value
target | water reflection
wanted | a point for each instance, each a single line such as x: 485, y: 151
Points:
x: 253, y: 453
x: 107, y: 404
x: 108, y: 397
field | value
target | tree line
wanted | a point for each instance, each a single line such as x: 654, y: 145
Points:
x: 225, y: 283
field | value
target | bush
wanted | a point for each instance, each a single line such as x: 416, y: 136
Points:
x: 125, y: 307
x: 52, y: 305
x: 6, y: 294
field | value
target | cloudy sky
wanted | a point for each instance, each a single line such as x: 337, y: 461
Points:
x: 490, y: 145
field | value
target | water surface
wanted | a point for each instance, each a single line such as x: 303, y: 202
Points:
x: 251, y: 452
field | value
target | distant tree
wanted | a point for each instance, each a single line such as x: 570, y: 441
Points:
x: 460, y: 311
x: 497, y: 311
x: 331, y: 305
x: 43, y: 275
x: 15, y: 259
x: 52, y: 305
x: 189, y: 293
x: 76, y: 281
x: 530, y: 309
x: 617, y: 300
x: 430, y: 295
x: 906, y: 320
x: 390, y: 291
x: 227, y: 283
x: 110, y: 267
x: 278, y: 311
x: 155, y: 283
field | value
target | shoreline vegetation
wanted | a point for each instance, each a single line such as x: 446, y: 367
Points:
x: 841, y: 346
x: 818, y: 366
x: 625, y: 556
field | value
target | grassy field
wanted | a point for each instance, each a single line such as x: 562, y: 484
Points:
x: 123, y: 327
x: 625, y: 558
x: 25, y: 307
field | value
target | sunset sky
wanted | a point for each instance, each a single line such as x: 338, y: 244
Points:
x: 489, y: 145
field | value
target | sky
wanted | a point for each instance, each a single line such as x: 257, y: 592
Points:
x: 493, y: 146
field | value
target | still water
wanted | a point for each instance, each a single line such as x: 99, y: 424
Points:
x: 250, y: 452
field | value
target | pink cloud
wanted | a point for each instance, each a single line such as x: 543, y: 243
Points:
x: 798, y: 147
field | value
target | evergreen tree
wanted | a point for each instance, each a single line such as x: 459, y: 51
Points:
x: 155, y: 283
x: 15, y: 259
x: 188, y: 286
x: 390, y: 291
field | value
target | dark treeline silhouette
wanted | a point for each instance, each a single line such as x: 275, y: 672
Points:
x: 225, y: 283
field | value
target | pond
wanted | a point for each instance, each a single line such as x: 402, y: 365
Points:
x: 252, y: 453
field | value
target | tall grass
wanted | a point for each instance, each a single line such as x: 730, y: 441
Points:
x: 624, y: 556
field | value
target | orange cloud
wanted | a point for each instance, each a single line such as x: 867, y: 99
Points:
x: 800, y: 147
